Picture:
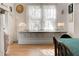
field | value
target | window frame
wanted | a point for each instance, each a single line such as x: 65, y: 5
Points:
x: 42, y: 19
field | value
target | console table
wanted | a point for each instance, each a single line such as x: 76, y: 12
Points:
x: 37, y: 37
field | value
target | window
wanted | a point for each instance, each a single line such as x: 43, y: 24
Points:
x: 49, y: 19
x: 34, y: 17
x: 42, y: 17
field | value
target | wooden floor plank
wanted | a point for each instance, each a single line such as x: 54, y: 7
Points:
x: 25, y: 49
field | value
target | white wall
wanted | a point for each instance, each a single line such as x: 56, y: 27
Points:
x: 11, y: 24
x: 19, y: 17
x: 70, y: 23
x: 14, y: 19
x: 76, y: 20
x: 73, y: 27
x: 62, y: 17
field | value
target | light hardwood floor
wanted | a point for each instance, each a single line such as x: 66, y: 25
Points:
x: 26, y: 49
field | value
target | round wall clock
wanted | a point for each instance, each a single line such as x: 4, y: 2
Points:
x: 19, y: 8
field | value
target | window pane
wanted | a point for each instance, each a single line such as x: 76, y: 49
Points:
x: 49, y: 12
x: 34, y: 17
x: 45, y: 17
x: 34, y: 12
x: 34, y: 25
x: 49, y: 19
x: 49, y: 25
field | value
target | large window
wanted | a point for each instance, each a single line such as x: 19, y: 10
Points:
x: 34, y: 12
x: 49, y: 17
x: 42, y: 17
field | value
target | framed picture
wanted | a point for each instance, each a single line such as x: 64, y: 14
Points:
x: 19, y: 8
x: 70, y: 8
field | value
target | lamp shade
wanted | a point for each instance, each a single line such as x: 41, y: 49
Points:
x: 22, y: 27
x: 61, y: 24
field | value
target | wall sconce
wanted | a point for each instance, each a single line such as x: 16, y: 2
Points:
x: 22, y: 27
x: 61, y: 24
